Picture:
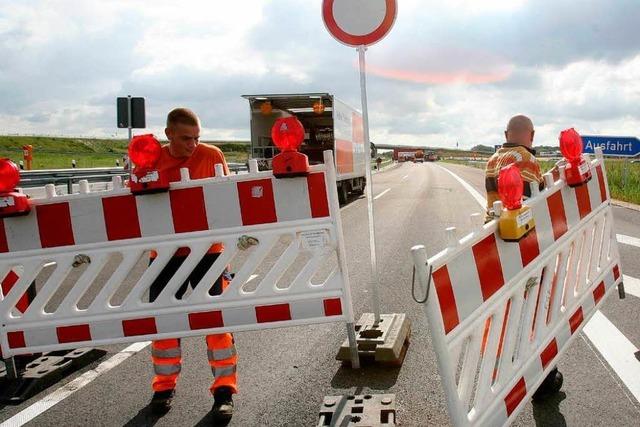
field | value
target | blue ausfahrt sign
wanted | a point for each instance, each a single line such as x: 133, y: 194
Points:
x: 612, y: 145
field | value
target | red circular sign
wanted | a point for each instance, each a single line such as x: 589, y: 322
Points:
x: 359, y: 22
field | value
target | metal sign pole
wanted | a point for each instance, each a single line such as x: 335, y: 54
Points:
x: 129, y: 115
x: 375, y: 295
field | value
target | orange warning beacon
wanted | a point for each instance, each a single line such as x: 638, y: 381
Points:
x: 515, y: 220
x: 577, y: 171
x: 12, y: 203
x: 287, y: 134
x: 144, y: 152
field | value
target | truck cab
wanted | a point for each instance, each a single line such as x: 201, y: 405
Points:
x: 329, y: 124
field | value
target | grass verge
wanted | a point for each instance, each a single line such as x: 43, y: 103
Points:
x: 57, y: 153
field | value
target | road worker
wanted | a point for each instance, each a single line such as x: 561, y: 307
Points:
x: 184, y: 150
x: 518, y: 149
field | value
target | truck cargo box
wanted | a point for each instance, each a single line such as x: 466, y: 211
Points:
x: 329, y: 124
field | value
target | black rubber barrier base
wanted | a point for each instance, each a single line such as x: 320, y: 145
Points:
x: 43, y: 372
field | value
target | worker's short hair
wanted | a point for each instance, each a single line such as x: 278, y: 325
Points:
x: 182, y: 116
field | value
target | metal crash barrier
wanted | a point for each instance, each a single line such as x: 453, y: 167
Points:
x: 88, y: 254
x: 501, y: 314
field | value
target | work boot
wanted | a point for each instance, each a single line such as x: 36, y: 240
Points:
x: 222, y: 409
x: 161, y: 401
x: 549, y: 386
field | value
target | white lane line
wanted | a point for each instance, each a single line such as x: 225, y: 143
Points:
x: 617, y: 350
x: 71, y: 387
x: 382, y: 194
x: 477, y: 196
x: 628, y: 240
x: 631, y: 285
x: 404, y: 177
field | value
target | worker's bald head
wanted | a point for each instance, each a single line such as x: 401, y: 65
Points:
x: 520, y: 131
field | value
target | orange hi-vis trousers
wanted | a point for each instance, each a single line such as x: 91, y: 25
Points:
x: 167, y: 354
x: 167, y: 362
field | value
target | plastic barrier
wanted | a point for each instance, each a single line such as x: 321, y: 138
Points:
x: 501, y: 314
x: 89, y: 256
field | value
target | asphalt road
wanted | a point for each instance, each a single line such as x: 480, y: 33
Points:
x: 285, y: 373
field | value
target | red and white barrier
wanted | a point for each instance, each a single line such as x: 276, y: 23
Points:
x: 89, y: 255
x: 502, y: 313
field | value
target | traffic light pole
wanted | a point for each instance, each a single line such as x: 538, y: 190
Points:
x: 129, y: 115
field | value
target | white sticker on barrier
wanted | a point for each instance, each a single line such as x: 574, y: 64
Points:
x: 113, y: 267
x: 314, y: 239
x: 523, y: 302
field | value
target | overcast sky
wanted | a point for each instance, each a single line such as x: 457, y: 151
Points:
x: 449, y: 70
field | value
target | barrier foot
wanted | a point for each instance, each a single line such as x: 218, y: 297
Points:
x: 621, y: 293
x: 43, y: 372
x: 353, y: 346
x: 385, y: 342
x: 358, y: 410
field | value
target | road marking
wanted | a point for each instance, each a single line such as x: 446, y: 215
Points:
x: 617, y: 350
x: 71, y: 387
x: 404, y: 177
x: 614, y: 347
x: 477, y: 196
x: 382, y: 194
x: 628, y: 240
x: 631, y: 285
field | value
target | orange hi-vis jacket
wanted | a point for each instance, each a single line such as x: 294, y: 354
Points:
x: 201, y: 164
x: 523, y: 157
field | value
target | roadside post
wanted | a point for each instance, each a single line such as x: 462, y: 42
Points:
x: 359, y: 24
x: 27, y: 151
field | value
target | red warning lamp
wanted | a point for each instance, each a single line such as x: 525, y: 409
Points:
x: 288, y: 133
x: 144, y: 152
x: 12, y: 203
x: 577, y: 170
x: 515, y: 220
x: 510, y: 187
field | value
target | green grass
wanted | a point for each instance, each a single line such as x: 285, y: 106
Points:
x: 57, y: 153
x: 623, y: 176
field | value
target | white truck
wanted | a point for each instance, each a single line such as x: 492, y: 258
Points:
x: 329, y: 124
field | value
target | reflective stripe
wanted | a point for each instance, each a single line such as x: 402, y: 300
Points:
x: 223, y: 371
x: 167, y: 369
x: 222, y: 354
x: 166, y: 353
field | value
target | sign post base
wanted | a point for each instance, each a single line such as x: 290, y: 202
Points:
x: 384, y: 342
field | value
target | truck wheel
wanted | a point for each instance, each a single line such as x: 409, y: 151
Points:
x: 361, y: 186
x: 343, y: 193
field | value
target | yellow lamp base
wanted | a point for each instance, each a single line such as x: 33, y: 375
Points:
x: 515, y: 224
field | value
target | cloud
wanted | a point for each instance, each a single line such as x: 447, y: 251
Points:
x: 448, y: 71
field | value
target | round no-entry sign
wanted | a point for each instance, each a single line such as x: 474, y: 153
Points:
x: 359, y: 22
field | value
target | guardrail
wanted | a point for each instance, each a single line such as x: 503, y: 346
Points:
x: 39, y: 178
